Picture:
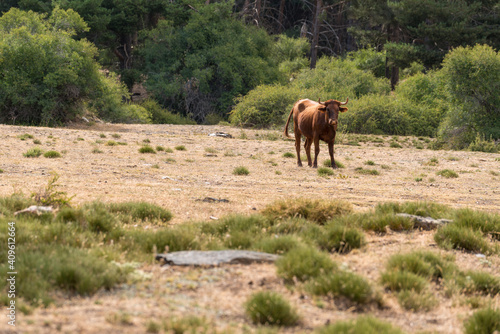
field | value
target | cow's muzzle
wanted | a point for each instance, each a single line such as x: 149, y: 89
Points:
x: 332, y: 122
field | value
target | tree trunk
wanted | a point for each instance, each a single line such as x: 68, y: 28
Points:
x: 258, y: 8
x: 281, y: 16
x: 316, y: 27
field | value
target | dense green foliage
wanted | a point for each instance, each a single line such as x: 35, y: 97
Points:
x: 47, y: 77
x: 202, y: 66
x: 206, y: 62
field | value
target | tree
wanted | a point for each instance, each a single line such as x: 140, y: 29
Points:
x: 46, y: 76
x: 197, y: 69
x: 472, y: 77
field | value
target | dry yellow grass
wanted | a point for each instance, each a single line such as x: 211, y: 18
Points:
x: 121, y: 173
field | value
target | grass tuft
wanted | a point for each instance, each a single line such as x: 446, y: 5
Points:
x: 33, y: 152
x: 342, y: 283
x: 180, y: 148
x: 52, y: 154
x: 270, y: 308
x: 447, y: 173
x: 303, y: 263
x: 362, y: 325
x: 318, y: 211
x: 483, y: 321
x: 241, y: 171
x: 325, y: 172
x: 147, y: 149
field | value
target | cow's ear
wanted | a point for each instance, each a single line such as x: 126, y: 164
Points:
x: 322, y: 108
x: 343, y: 109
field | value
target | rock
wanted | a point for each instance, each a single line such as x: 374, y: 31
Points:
x: 220, y: 134
x: 215, y: 258
x: 213, y: 200
x: 35, y: 209
x: 426, y: 223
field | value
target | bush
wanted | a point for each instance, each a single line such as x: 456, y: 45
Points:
x: 471, y: 79
x: 483, y: 321
x: 482, y: 145
x: 47, y: 77
x: 264, y: 106
x: 52, y: 154
x: 270, y: 308
x: 147, y: 149
x: 377, y: 114
x: 447, y: 173
x: 453, y: 236
x: 325, y: 172
x: 241, y: 171
x: 318, y: 211
x: 160, y: 115
x: 222, y: 59
x: 142, y: 211
x: 362, y: 325
x: 34, y: 152
x: 342, y: 283
x: 303, y: 263
x: 340, y: 238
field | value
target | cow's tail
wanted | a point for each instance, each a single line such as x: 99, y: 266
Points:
x: 288, y: 122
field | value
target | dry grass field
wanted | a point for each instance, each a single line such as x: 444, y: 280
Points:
x: 102, y: 162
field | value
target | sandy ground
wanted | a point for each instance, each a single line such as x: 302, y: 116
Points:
x: 180, y: 181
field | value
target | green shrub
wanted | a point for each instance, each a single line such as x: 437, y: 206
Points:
x: 241, y: 171
x: 362, y: 325
x: 270, y: 308
x: 325, y: 171
x: 482, y: 145
x: 288, y: 155
x: 142, y: 211
x: 416, y: 301
x: 278, y: 245
x: 471, y: 78
x: 483, y: 321
x: 55, y: 267
x: 318, y: 211
x: 25, y: 136
x: 264, y: 106
x: 425, y: 209
x: 147, y: 149
x: 403, y: 281
x: 480, y: 282
x: 447, y: 173
x: 180, y: 148
x: 340, y: 238
x: 342, y: 283
x: 363, y: 171
x: 328, y: 163
x: 453, y: 236
x: 303, y: 263
x: 425, y: 264
x: 188, y: 324
x: 160, y: 115
x: 34, y: 152
x: 52, y: 154
x: 379, y: 223
x: 377, y: 114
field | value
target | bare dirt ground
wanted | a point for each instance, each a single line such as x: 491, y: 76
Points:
x: 180, y: 180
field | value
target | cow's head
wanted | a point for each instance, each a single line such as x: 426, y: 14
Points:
x: 331, y: 108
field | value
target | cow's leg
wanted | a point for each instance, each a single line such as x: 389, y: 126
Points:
x: 298, y: 136
x: 316, y: 150
x: 307, y: 147
x: 330, y: 150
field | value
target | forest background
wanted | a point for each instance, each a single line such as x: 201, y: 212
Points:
x: 408, y: 67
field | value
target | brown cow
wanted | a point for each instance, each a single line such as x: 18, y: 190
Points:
x: 315, y: 120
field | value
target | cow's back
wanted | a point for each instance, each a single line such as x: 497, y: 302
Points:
x: 303, y: 104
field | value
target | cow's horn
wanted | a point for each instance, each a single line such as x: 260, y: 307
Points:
x: 319, y: 101
x: 346, y: 100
